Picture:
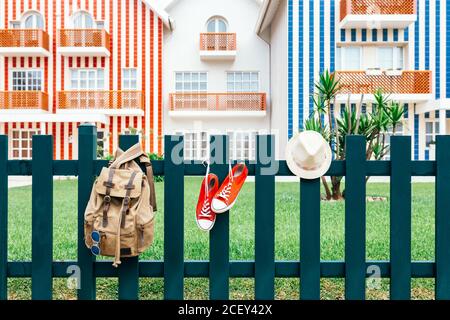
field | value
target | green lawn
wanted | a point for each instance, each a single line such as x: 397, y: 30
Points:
x: 241, y: 239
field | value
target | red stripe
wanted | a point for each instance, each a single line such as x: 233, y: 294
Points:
x: 103, y: 9
x: 6, y: 73
x: 38, y: 63
x: 21, y: 6
x: 95, y: 62
x: 6, y: 128
x: 46, y: 74
x: 78, y: 62
x: 70, y: 62
x: 22, y: 62
x: 30, y: 62
x: 144, y: 47
x: 61, y: 135
x: 135, y: 33
x: 127, y: 42
x: 127, y: 122
x: 70, y: 144
x: 95, y: 9
x: 86, y: 62
x: 111, y: 68
x: 160, y: 30
x: 7, y: 12
x: 152, y: 84
x: 63, y: 83
x: 119, y: 45
x: 110, y: 135
x: 103, y: 62
x: 14, y: 62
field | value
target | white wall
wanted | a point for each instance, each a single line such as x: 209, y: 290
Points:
x: 181, y: 53
x: 279, y: 76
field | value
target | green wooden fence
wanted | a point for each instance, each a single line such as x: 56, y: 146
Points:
x: 219, y: 269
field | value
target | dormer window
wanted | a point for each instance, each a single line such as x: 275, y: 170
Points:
x: 216, y: 25
x: 29, y: 20
x: 83, y: 20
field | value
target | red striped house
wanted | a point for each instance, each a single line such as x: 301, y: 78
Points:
x: 66, y: 62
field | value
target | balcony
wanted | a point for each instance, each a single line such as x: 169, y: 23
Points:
x: 376, y: 14
x: 24, y: 43
x: 105, y: 102
x: 23, y: 101
x: 84, y: 42
x: 217, y: 46
x: 217, y: 104
x: 406, y: 85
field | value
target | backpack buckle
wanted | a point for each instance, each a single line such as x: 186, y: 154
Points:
x: 107, y: 199
x: 126, y: 201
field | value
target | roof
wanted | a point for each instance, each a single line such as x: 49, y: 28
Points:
x: 267, y: 13
x: 160, y: 11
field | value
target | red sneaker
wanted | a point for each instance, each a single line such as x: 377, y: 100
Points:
x: 205, y: 217
x: 226, y: 196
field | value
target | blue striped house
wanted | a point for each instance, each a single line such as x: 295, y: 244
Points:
x: 400, y: 46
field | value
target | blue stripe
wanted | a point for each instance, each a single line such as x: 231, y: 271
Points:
x: 332, y: 31
x: 300, y: 69
x: 447, y: 114
x: 438, y: 51
x: 416, y: 137
x: 427, y: 35
x: 374, y: 35
x: 406, y: 107
x: 343, y: 35
x: 353, y: 35
x: 322, y: 37
x: 447, y: 58
x: 416, y: 40
x: 311, y: 53
x: 427, y: 154
x: 364, y: 35
x: 290, y: 67
x: 406, y: 34
x: 395, y: 34
x: 385, y: 34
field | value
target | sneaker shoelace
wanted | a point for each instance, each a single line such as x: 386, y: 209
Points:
x: 225, y: 193
x: 206, y: 209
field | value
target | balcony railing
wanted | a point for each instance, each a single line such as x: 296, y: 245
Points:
x: 84, y: 38
x: 106, y: 100
x: 28, y: 100
x: 408, y: 82
x: 382, y: 7
x: 24, y: 38
x: 218, y: 41
x: 217, y: 102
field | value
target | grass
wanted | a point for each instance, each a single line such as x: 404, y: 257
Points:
x: 241, y: 239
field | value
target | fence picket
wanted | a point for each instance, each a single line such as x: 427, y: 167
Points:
x: 400, y: 218
x: 129, y: 269
x: 219, y: 255
x: 442, y: 223
x: 355, y: 218
x: 310, y: 239
x: 3, y: 217
x: 42, y: 218
x: 173, y: 219
x: 264, y: 220
x: 87, y: 153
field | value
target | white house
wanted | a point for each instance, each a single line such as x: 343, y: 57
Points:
x: 224, y: 72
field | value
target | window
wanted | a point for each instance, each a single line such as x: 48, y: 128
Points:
x: 348, y: 58
x: 87, y: 79
x: 33, y: 20
x: 27, y: 80
x: 83, y: 20
x: 242, y: 145
x: 15, y: 24
x: 390, y: 58
x: 216, y: 24
x: 196, y: 145
x: 242, y: 81
x: 129, y: 79
x: 431, y: 131
x: 21, y: 143
x: 191, y: 82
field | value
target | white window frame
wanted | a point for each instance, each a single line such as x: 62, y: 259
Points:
x: 193, y: 148
x: 340, y: 58
x: 242, y: 153
x: 184, y: 81
x: 29, y: 139
x: 436, y: 131
x: 37, y: 15
x: 87, y: 71
x: 397, y: 53
x: 86, y: 14
x: 26, y: 70
x: 127, y: 79
x: 102, y: 142
x: 250, y: 81
x: 216, y: 20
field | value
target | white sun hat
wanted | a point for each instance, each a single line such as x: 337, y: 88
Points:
x: 308, y: 155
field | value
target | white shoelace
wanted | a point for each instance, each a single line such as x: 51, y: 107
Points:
x: 206, y: 209
x: 225, y: 193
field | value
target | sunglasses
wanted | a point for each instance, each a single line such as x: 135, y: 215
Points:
x: 95, y: 249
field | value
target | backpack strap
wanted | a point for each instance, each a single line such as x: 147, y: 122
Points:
x: 150, y: 179
x: 131, y: 154
x: 125, y: 207
x: 107, y: 200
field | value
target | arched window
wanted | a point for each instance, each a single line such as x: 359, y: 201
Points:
x: 32, y: 20
x: 216, y: 24
x: 83, y: 20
